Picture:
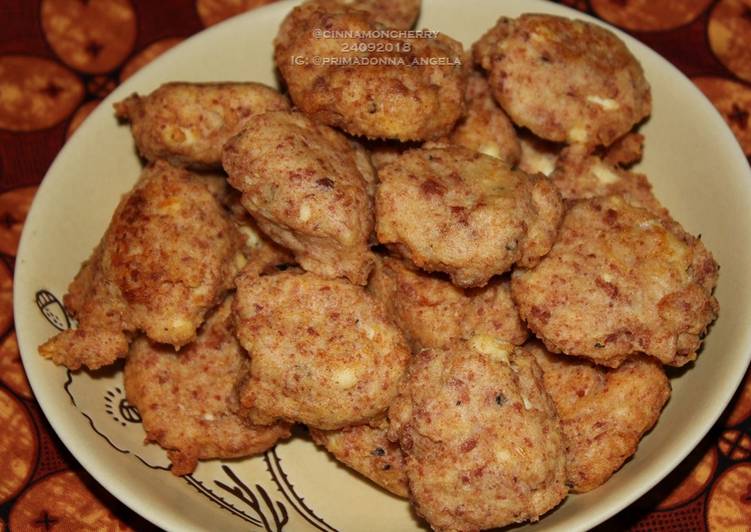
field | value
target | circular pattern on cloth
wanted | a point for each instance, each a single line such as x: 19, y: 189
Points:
x: 62, y: 501
x: 6, y: 298
x: 215, y: 11
x: 733, y: 101
x: 18, y: 446
x: 100, y: 86
x: 11, y: 368
x: 80, y: 115
x: 694, y: 482
x: 36, y: 93
x: 729, y: 505
x: 730, y: 35
x: 740, y: 408
x: 147, y: 55
x: 649, y: 15
x: 14, y: 206
x: 735, y: 444
x: 581, y: 5
x: 93, y: 36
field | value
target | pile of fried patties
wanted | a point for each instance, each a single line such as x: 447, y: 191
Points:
x: 446, y: 271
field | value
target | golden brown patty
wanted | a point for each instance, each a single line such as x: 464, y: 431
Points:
x: 732, y: 100
x: 261, y: 252
x: 538, y: 156
x: 625, y: 151
x: 482, y: 442
x: 542, y: 156
x: 322, y: 351
x: 188, y: 123
x: 485, y: 128
x: 368, y: 451
x: 432, y: 312
x: 168, y: 256
x: 604, y: 412
x: 418, y: 94
x: 383, y: 152
x: 304, y: 185
x: 565, y: 80
x: 618, y: 281
x: 581, y: 175
x: 187, y: 399
x: 463, y: 213
x: 398, y: 14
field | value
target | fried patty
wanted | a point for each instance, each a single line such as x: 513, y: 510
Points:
x: 168, y: 257
x: 187, y: 399
x: 368, y: 451
x: 604, y: 412
x: 305, y: 186
x: 481, y: 438
x: 485, y: 127
x: 581, y: 175
x: 432, y: 312
x: 398, y: 14
x: 188, y: 123
x: 566, y: 80
x: 323, y: 352
x: 417, y: 95
x: 464, y: 213
x: 620, y: 280
x: 538, y: 156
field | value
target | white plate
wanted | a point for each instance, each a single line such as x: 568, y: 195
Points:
x: 691, y: 157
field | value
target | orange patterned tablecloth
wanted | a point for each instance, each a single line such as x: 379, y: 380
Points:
x: 59, y: 58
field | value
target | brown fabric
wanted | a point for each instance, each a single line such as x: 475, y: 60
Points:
x: 707, y: 39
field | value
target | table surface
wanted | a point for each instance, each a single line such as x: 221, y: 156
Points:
x: 52, y: 75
